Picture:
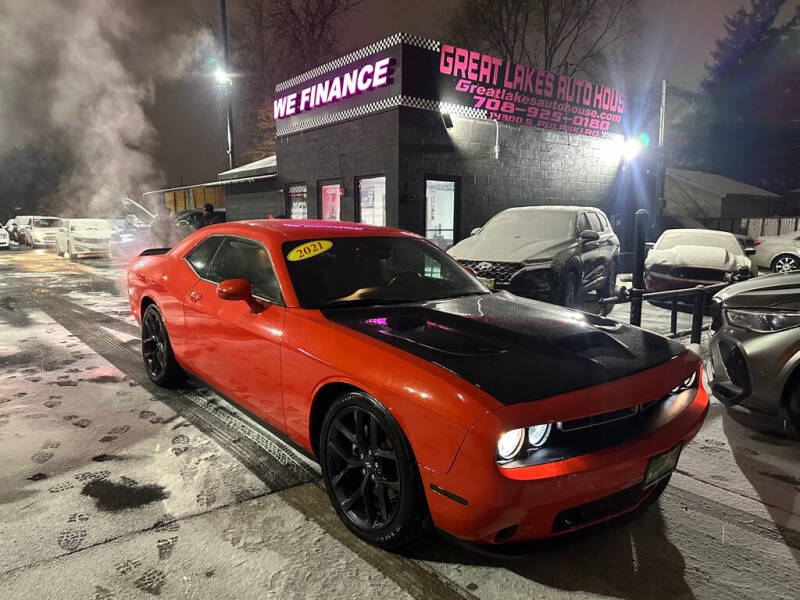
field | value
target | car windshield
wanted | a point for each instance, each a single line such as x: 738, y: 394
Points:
x: 531, y: 224
x: 46, y: 223
x: 373, y: 270
x: 91, y: 225
x: 699, y: 237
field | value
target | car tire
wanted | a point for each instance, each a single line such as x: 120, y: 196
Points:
x: 793, y: 402
x: 370, y: 473
x: 68, y: 252
x: 610, y: 287
x: 569, y: 290
x: 159, y: 361
x: 784, y: 263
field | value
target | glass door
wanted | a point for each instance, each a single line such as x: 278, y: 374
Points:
x: 440, y: 212
x: 331, y: 202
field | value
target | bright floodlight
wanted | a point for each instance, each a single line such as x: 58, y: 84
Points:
x: 631, y: 149
x: 222, y: 77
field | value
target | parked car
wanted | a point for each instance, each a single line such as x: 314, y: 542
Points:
x: 684, y: 258
x: 5, y: 243
x: 551, y: 253
x: 42, y: 231
x: 23, y: 225
x: 423, y: 395
x: 191, y: 219
x: 78, y: 238
x: 778, y: 253
x: 754, y: 359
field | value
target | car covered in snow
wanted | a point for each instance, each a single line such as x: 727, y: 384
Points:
x: 684, y: 258
x: 778, y: 253
x: 4, y: 239
x: 550, y: 253
x: 424, y: 396
x: 81, y: 238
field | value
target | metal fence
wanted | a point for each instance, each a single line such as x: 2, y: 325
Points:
x: 755, y: 227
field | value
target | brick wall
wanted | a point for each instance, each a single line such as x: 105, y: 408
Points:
x: 535, y: 167
x: 406, y: 145
x: 343, y: 152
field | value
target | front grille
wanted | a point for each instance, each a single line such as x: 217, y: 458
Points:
x: 698, y: 274
x: 597, y: 420
x: 501, y: 272
x: 735, y: 365
x: 598, y: 509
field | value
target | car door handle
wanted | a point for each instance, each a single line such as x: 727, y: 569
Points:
x: 195, y: 296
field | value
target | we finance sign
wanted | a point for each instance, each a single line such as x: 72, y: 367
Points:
x: 523, y: 95
x: 335, y: 88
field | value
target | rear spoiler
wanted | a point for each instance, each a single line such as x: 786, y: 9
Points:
x: 154, y: 251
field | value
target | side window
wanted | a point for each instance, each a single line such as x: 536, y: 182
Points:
x: 583, y: 223
x: 596, y: 222
x: 202, y: 254
x: 239, y: 258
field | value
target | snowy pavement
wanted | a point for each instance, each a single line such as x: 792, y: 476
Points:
x: 113, y: 488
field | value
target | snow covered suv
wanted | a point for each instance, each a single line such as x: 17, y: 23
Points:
x: 551, y: 253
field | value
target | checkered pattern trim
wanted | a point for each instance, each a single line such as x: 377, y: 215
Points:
x: 392, y: 40
x: 380, y: 105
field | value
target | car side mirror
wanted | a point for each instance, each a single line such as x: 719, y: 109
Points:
x: 749, y: 251
x: 475, y: 231
x: 590, y: 235
x: 239, y: 289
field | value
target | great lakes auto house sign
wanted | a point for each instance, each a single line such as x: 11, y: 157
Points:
x: 412, y: 71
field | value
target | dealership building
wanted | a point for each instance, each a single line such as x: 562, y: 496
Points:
x: 417, y: 134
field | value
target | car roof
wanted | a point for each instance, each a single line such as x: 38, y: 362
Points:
x: 302, y: 229
x: 556, y: 207
x: 691, y: 231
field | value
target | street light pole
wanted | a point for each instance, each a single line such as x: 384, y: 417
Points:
x: 661, y: 171
x: 227, y: 85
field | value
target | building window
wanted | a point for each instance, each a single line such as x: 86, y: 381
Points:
x: 440, y: 210
x: 298, y: 201
x: 331, y: 202
x: 372, y: 200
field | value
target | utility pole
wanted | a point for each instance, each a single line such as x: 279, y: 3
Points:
x: 661, y: 169
x: 228, y: 85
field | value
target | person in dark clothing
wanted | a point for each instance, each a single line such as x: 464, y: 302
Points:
x: 209, y: 217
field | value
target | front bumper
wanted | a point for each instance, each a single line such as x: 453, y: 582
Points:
x: 540, y: 501
x: 751, y: 368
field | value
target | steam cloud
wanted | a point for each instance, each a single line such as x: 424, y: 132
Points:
x: 84, y: 71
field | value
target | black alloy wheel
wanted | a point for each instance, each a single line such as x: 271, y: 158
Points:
x: 161, y: 366
x: 370, y: 472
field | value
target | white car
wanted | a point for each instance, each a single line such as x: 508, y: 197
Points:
x: 778, y: 253
x: 42, y: 231
x: 4, y: 239
x: 684, y: 258
x: 83, y: 237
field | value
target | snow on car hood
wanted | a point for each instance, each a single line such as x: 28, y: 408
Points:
x: 697, y: 256
x: 512, y: 249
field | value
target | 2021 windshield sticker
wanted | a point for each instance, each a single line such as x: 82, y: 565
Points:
x: 309, y: 250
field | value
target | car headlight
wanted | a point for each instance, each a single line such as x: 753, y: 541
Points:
x: 514, y: 442
x: 510, y: 443
x: 763, y: 321
x: 538, y: 434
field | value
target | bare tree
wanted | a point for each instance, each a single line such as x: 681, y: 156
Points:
x: 569, y: 37
x: 273, y: 40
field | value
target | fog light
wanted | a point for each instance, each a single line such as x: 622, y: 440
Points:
x: 510, y: 443
x: 538, y: 434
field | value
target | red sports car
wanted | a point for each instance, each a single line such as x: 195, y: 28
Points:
x: 422, y: 394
